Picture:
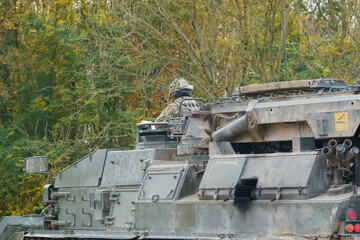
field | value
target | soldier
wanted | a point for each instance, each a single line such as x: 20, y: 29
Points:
x: 179, y: 89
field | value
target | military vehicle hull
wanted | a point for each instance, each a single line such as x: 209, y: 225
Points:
x: 214, y: 220
x: 273, y: 162
x: 206, y: 212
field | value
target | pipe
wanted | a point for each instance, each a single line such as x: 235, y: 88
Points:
x: 332, y: 144
x: 329, y: 156
x: 347, y: 144
x: 231, y: 130
x: 340, y: 151
x: 351, y: 154
x: 338, y: 178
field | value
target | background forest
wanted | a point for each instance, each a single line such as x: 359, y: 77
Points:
x: 77, y: 75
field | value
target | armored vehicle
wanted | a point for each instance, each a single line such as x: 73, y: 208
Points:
x: 274, y: 161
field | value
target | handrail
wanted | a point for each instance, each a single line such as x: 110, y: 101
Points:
x: 151, y: 123
x: 188, y: 99
x: 227, y: 99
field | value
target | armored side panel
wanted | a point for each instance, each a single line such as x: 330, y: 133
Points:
x: 107, y: 202
x: 167, y: 182
x: 11, y: 225
x: 281, y: 175
x: 218, y: 219
x: 86, y: 172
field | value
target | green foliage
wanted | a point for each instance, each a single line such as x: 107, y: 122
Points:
x: 56, y: 99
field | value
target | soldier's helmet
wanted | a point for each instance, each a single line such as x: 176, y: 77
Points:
x: 179, y: 84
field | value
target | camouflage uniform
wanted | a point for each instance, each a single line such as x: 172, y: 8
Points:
x: 173, y: 109
x: 177, y: 88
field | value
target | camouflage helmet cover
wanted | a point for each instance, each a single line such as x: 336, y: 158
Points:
x: 179, y: 84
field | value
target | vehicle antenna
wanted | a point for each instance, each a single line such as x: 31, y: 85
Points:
x: 284, y: 33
